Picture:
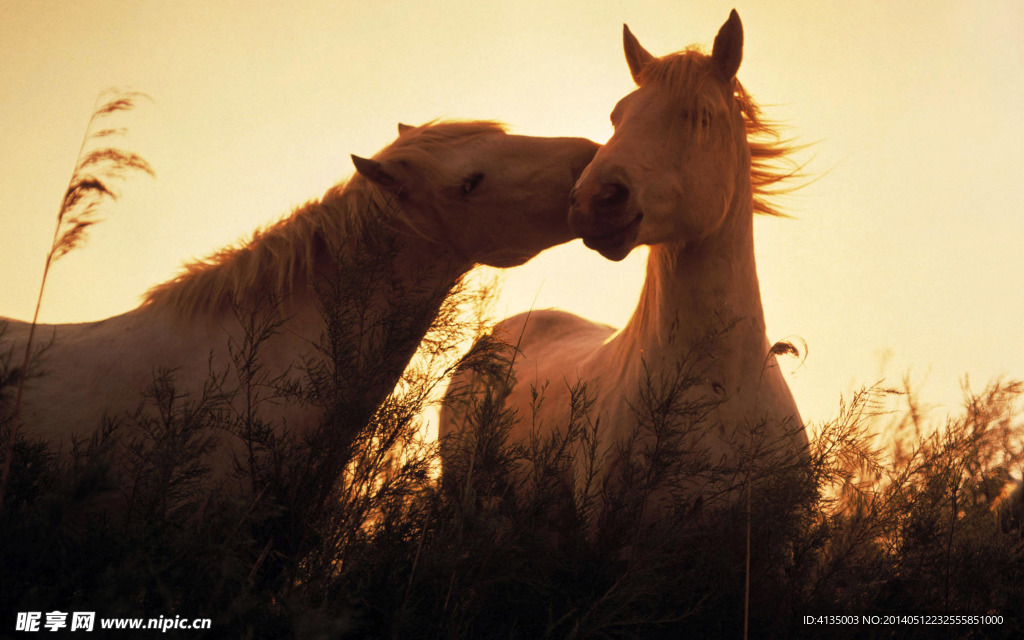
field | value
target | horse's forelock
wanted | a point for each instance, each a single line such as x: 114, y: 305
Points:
x: 439, y: 131
x: 686, y: 75
x: 418, y: 146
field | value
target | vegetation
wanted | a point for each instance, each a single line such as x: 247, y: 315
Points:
x: 355, y: 533
x: 359, y: 537
x: 98, y: 168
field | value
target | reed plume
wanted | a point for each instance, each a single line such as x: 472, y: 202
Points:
x: 98, y: 167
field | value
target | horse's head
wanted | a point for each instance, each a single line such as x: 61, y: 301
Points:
x: 490, y: 197
x: 669, y: 172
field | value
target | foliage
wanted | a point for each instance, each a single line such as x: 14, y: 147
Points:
x: 509, y: 544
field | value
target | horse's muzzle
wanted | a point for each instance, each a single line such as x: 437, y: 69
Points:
x: 603, y: 214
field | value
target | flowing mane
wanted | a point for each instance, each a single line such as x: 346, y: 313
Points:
x: 683, y: 74
x: 285, y: 254
x: 276, y: 258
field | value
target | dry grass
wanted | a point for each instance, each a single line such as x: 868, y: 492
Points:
x: 355, y: 536
x: 98, y: 168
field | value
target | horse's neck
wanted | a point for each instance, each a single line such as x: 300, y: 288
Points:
x: 405, y: 295
x: 701, y: 305
x: 381, y: 269
x: 367, y: 304
x: 388, y: 292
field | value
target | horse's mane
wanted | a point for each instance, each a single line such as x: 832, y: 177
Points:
x: 276, y: 258
x: 417, y: 145
x: 284, y: 255
x: 684, y: 74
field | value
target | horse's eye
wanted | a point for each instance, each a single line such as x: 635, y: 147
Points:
x: 703, y: 117
x: 471, y: 182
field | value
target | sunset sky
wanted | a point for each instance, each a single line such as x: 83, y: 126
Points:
x: 903, y: 255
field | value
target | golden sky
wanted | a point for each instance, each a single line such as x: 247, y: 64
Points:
x: 903, y: 256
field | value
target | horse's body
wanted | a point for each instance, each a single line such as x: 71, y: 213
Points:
x: 677, y: 175
x: 440, y: 199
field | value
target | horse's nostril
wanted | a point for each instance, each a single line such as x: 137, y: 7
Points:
x: 612, y: 195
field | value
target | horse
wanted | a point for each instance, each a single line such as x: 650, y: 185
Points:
x: 689, y: 163
x: 397, y: 236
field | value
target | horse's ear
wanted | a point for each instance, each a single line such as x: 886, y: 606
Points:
x: 636, y: 56
x: 728, y: 51
x: 375, y: 173
x: 402, y: 128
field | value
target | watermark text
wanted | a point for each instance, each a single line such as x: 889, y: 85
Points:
x: 86, y: 621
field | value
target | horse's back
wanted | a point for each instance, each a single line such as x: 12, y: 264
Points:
x: 535, y: 350
x: 549, y: 329
x: 12, y: 333
x: 77, y: 373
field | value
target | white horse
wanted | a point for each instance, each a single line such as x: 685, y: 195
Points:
x: 683, y: 173
x: 440, y: 199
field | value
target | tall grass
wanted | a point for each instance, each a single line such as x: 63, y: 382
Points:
x: 509, y: 544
